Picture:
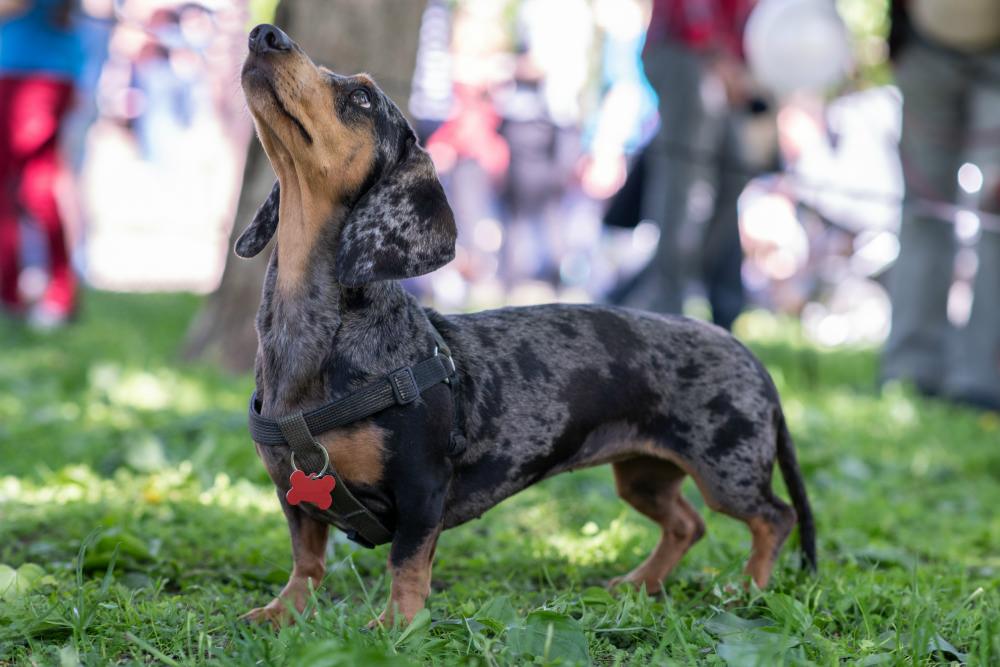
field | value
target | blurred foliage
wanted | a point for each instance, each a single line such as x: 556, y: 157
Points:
x: 868, y: 22
x: 262, y: 11
x: 136, y: 525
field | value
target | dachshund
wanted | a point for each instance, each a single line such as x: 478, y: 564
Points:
x: 357, y: 207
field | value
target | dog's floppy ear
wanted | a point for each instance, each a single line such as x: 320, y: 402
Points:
x: 261, y: 228
x: 403, y: 226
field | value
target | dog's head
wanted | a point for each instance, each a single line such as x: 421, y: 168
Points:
x: 342, y: 145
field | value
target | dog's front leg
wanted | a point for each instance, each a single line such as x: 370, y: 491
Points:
x: 410, y: 559
x: 308, y: 567
x: 421, y: 519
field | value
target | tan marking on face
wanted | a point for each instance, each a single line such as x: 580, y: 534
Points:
x: 315, y: 175
x: 357, y: 453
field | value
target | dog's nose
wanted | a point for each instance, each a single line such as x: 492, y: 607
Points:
x: 266, y: 37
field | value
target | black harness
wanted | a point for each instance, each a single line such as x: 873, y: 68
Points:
x: 296, y: 430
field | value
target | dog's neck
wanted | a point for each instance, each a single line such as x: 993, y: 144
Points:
x: 319, y: 338
x: 305, y: 220
x: 322, y: 338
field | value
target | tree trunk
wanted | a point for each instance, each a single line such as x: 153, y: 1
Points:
x: 348, y: 36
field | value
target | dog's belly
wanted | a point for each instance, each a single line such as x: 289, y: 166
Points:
x: 477, y: 489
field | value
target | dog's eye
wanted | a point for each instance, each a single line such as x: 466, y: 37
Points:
x: 361, y: 98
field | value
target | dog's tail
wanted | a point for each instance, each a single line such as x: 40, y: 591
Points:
x: 797, y: 491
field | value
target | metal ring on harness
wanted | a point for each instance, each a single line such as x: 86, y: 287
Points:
x: 326, y: 461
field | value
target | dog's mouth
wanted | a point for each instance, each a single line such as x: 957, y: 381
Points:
x: 288, y: 114
x: 260, y: 76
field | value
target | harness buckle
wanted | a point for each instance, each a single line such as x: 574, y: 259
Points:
x: 404, y: 386
x: 449, y: 362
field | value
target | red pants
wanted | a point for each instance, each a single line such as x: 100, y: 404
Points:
x: 31, y: 111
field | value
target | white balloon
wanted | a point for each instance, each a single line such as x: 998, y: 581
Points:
x: 797, y: 45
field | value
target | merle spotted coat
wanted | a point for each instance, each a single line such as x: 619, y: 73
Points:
x: 540, y: 390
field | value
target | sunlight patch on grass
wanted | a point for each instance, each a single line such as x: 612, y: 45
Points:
x: 241, y: 495
x: 70, y: 485
x: 80, y: 484
x: 588, y: 547
x: 158, y: 389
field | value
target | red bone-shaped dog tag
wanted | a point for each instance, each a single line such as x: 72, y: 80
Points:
x: 311, y: 489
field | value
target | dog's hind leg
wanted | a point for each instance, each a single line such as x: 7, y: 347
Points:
x: 308, y: 567
x: 653, y: 487
x: 769, y: 528
x: 770, y: 520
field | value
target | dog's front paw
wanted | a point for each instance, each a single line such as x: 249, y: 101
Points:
x: 637, y: 580
x: 395, y: 614
x: 384, y: 620
x: 276, y: 612
x: 280, y: 611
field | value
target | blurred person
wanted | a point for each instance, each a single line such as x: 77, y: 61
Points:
x: 620, y: 128
x: 947, y: 64
x: 431, y: 91
x: 470, y: 156
x: 542, y: 113
x: 170, y: 91
x: 95, y: 24
x: 470, y: 135
x: 626, y: 118
x: 536, y: 177
x: 41, y: 55
x: 693, y: 58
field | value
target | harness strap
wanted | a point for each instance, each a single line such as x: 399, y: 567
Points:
x: 307, y: 453
x: 457, y: 443
x: 400, y: 387
x: 296, y: 430
x: 310, y: 456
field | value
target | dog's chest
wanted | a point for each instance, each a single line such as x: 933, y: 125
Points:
x: 295, y: 336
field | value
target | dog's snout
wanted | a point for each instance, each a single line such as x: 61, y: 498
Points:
x: 266, y: 37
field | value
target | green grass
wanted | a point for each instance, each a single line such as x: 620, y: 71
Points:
x: 136, y: 525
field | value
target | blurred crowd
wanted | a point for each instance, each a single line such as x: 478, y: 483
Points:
x: 122, y: 139
x: 568, y: 132
x: 676, y: 155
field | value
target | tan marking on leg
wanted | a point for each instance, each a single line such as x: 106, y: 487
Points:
x: 411, y: 583
x: 767, y: 540
x: 357, y: 453
x: 653, y: 488
x: 430, y: 564
x: 308, y: 567
x: 768, y: 534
